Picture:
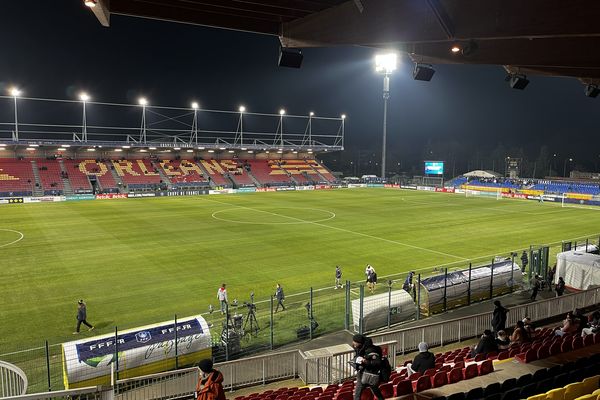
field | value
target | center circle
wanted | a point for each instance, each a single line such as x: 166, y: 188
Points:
x: 9, y: 236
x: 273, y: 216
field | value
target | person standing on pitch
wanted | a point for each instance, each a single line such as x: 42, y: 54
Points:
x: 222, y: 296
x: 280, y: 297
x: 338, y: 277
x: 82, y: 317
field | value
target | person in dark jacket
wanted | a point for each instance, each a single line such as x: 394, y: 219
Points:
x: 82, y: 317
x: 524, y: 261
x: 499, y: 317
x: 210, y: 382
x: 280, y: 297
x: 367, y: 359
x: 486, y: 344
x: 560, y: 286
x: 423, y: 361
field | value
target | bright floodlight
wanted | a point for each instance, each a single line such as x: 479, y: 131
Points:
x: 195, y: 105
x: 15, y: 92
x: 311, y: 113
x: 281, y: 112
x: 142, y: 101
x: 242, y: 108
x: 90, y: 3
x: 343, y: 116
x: 386, y: 63
x: 455, y: 48
x: 83, y: 96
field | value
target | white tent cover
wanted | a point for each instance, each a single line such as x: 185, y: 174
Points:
x: 580, y: 270
x: 478, y: 173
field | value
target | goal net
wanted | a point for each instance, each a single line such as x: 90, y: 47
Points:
x: 493, y: 193
x: 574, y: 200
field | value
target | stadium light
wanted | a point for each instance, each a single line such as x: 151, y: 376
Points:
x: 190, y: 150
x: 242, y: 109
x: 34, y: 145
x: 343, y: 116
x: 455, y: 48
x: 90, y: 3
x: 312, y: 114
x: 176, y: 148
x: 65, y: 145
x: 83, y: 96
x: 30, y: 149
x: 142, y: 101
x: 151, y: 148
x: 15, y: 92
x: 211, y: 151
x: 282, y: 112
x: 119, y: 150
x: 385, y: 64
x: 126, y: 147
x: 195, y: 105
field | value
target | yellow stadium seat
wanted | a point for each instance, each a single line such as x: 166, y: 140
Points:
x: 537, y: 397
x: 596, y: 392
x: 574, y: 390
x: 556, y: 394
x: 587, y: 397
x: 591, y: 383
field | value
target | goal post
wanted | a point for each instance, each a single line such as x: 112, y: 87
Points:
x: 497, y: 193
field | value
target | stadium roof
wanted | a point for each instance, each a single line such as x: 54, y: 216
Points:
x: 535, y: 36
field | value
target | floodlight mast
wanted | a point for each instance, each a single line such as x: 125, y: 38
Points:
x: 84, y: 97
x: 15, y: 92
x: 385, y: 64
x: 142, y: 101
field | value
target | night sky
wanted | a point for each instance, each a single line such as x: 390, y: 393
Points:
x: 467, y: 115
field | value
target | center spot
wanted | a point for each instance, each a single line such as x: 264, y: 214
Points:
x: 273, y: 216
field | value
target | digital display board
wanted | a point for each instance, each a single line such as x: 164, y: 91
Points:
x: 434, y: 168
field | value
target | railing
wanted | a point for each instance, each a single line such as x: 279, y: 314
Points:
x: 91, y: 393
x: 158, y: 386
x: 13, y: 381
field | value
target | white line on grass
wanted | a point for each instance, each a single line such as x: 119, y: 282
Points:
x: 344, y: 230
x: 14, y: 241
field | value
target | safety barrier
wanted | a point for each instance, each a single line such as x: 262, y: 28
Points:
x: 13, y: 381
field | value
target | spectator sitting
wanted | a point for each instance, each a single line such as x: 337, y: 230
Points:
x: 423, y: 361
x: 529, y: 327
x: 593, y: 323
x: 569, y: 326
x: 486, y: 344
x: 503, y: 341
x: 520, y: 334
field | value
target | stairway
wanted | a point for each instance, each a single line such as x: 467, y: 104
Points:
x: 37, y: 189
x: 161, y: 173
x: 206, y: 174
x: 67, y: 188
x: 256, y: 182
x: 117, y: 178
x: 321, y: 177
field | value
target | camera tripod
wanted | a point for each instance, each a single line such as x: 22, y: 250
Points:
x: 250, y: 323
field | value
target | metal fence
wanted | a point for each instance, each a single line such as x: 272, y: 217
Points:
x: 13, y: 381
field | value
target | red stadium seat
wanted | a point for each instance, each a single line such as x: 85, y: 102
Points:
x: 344, y: 395
x: 577, y: 342
x: 543, y: 352
x: 492, y: 355
x: 387, y: 390
x: 439, y: 379
x: 566, y: 346
x: 470, y: 371
x: 480, y: 357
x: 459, y: 365
x: 588, y: 340
x: 423, y: 383
x: 513, y: 352
x: 486, y: 367
x: 596, y: 338
x: 415, y: 376
x: 503, y: 355
x: 555, y: 348
x: 430, y: 372
x: 527, y: 357
x: 403, y: 387
x: 455, y: 375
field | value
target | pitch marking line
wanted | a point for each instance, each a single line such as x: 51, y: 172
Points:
x: 21, y: 236
x: 345, y: 230
x: 331, y: 216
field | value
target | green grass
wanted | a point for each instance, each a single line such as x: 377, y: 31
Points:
x: 141, y: 261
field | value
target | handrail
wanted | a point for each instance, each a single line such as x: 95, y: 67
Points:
x: 62, y: 393
x: 13, y: 381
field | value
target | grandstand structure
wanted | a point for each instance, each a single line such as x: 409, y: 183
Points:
x: 117, y: 148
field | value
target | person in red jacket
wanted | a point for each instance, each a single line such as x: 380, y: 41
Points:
x: 210, y: 382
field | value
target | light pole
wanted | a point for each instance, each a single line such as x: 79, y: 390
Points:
x: 385, y: 64
x: 84, y: 97
x: 565, y: 166
x: 14, y: 92
x: 142, y: 101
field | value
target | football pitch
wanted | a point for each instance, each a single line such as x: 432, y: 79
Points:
x: 141, y: 261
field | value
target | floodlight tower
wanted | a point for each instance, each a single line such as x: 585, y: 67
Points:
x: 281, y: 114
x: 385, y: 64
x: 242, y: 110
x: 84, y: 97
x: 142, y: 101
x: 194, y: 134
x: 15, y: 92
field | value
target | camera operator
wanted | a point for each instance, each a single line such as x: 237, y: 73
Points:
x: 367, y: 362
